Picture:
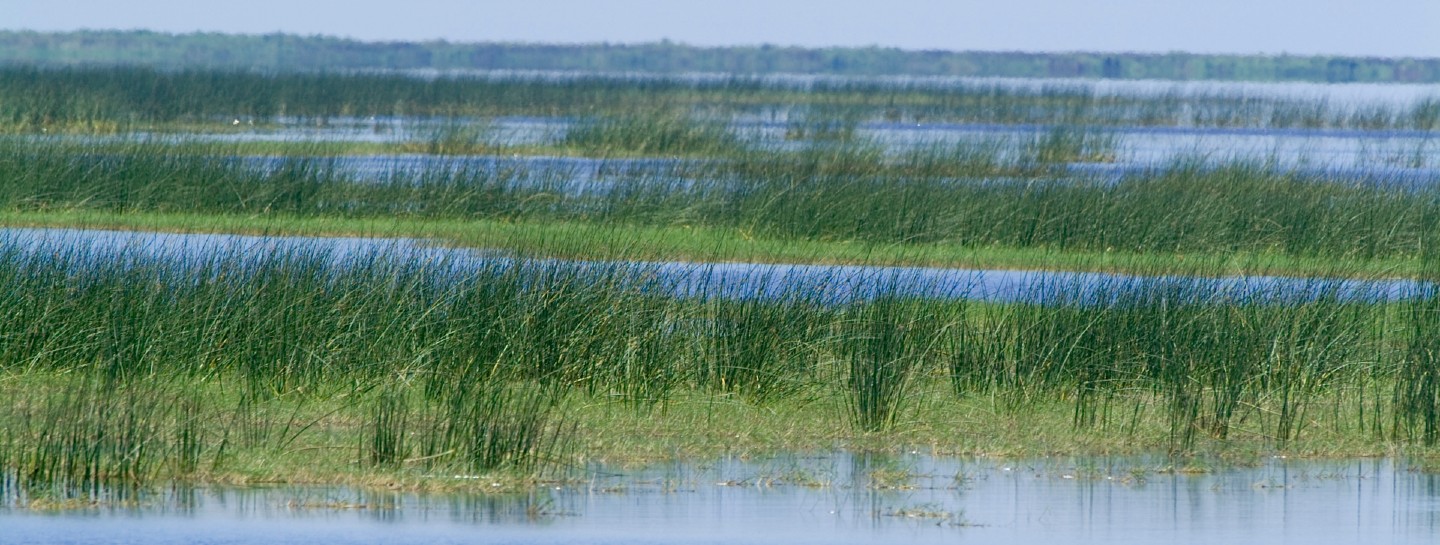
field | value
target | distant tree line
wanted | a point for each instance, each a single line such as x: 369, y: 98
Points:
x: 284, y: 52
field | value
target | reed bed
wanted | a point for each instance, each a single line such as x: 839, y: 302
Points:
x: 966, y: 195
x: 122, y: 368
x: 653, y: 133
x: 138, y: 369
x: 120, y: 99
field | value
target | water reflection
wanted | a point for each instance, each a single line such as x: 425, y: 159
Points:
x: 829, y: 498
x: 1287, y: 148
x: 826, y: 284
x: 818, y: 283
x: 1387, y: 159
x: 1296, y: 148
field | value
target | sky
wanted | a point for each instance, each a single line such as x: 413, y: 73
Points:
x: 1388, y: 28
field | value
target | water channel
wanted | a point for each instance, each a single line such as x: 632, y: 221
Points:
x: 822, y: 283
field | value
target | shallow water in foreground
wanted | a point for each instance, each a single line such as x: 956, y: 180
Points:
x: 835, y: 498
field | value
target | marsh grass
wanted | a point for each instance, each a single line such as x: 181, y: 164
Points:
x: 1062, y: 145
x: 1417, y: 394
x: 761, y: 349
x: 661, y: 132
x: 424, y: 366
x: 825, y: 123
x: 885, y: 342
x: 455, y: 136
x: 385, y: 443
x: 120, y: 369
x: 82, y: 436
x: 111, y: 99
x: 183, y: 365
x: 1211, y: 358
x: 488, y: 427
x: 966, y: 195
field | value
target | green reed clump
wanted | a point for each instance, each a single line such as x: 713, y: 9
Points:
x: 1062, y: 145
x: 407, y: 362
x: 457, y: 136
x: 1210, y: 356
x: 856, y: 192
x: 884, y: 342
x: 494, y: 427
x: 1317, y: 347
x: 594, y: 328
x: 970, y: 159
x: 826, y: 123
x: 1417, y: 393
x: 80, y: 436
x: 835, y: 194
x: 663, y: 132
x: 1193, y: 210
x: 470, y: 427
x: 762, y: 349
x: 1425, y: 115
x: 306, y: 318
x: 1023, y: 352
x: 292, y: 331
x: 385, y: 442
x: 209, y: 179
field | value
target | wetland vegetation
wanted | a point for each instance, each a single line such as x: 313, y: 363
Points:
x: 122, y: 368
x: 308, y: 53
x: 123, y: 99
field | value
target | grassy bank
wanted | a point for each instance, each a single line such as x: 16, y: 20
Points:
x: 287, y: 367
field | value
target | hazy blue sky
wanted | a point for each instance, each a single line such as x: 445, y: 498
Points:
x: 1352, y: 27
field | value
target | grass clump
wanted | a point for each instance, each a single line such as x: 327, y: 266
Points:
x: 885, y: 343
x: 663, y: 132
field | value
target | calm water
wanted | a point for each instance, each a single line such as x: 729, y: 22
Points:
x: 1334, y: 94
x: 1298, y: 148
x: 822, y: 283
x: 1155, y: 146
x: 834, y: 498
x: 1294, y: 148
